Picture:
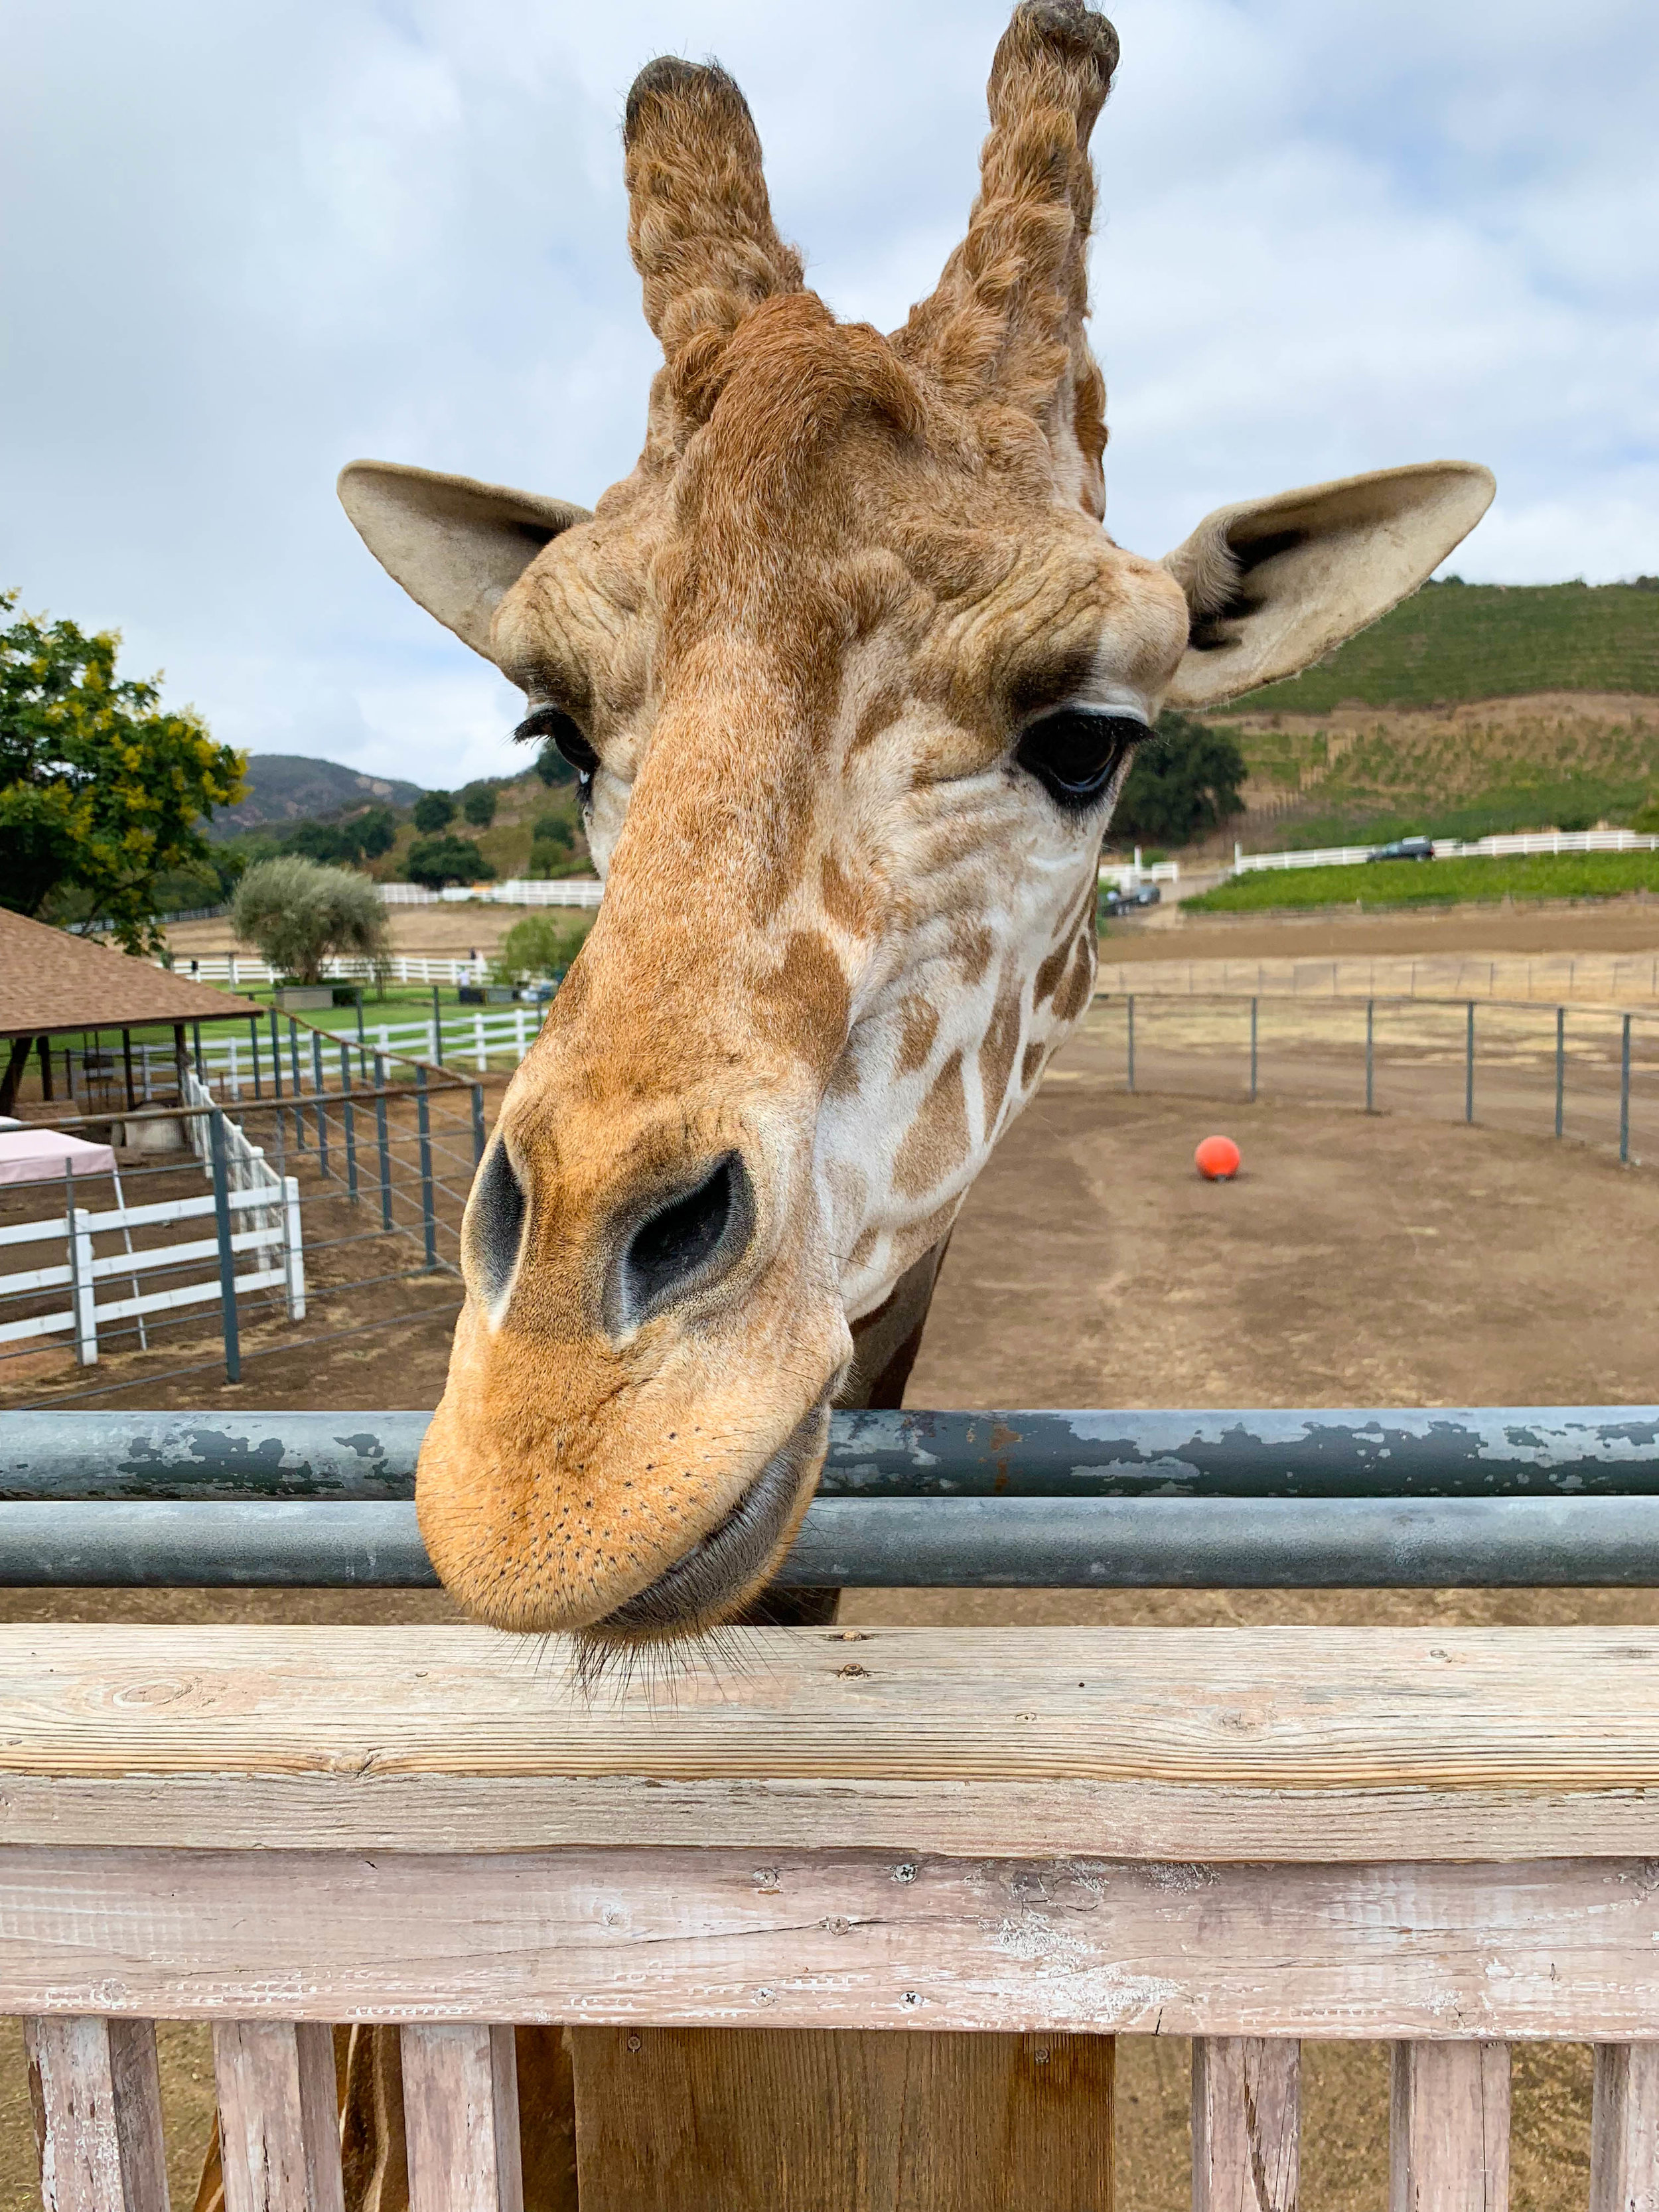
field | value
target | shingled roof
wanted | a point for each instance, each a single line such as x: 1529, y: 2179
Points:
x: 50, y: 981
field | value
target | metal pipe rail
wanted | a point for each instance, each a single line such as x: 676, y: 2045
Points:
x: 1344, y: 1498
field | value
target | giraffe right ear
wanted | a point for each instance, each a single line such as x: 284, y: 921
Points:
x: 456, y: 546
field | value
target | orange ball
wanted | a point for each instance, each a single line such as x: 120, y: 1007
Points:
x: 1216, y: 1159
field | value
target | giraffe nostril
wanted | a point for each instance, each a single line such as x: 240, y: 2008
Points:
x: 686, y: 1245
x: 495, y: 1223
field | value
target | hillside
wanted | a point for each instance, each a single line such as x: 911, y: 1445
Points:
x: 1455, y: 642
x: 284, y: 787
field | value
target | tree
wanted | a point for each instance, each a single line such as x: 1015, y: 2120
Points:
x: 1186, y: 781
x: 101, y: 789
x: 298, y: 914
x: 436, y: 861
x: 478, y: 805
x: 433, y: 812
x: 540, y: 944
x: 316, y: 840
x: 373, y: 832
x: 552, y: 767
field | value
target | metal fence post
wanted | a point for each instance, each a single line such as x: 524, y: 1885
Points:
x: 299, y: 1087
x: 477, y: 1123
x: 1623, y: 1092
x: 275, y: 1057
x: 437, y: 1029
x: 1561, y: 1066
x: 1468, y: 1067
x: 1254, y: 1005
x: 77, y: 1232
x: 423, y: 1122
x: 227, y: 1321
x: 363, y: 1048
x: 316, y: 1092
x: 348, y: 1117
x: 386, y: 1150
x: 1370, y: 1063
x: 1130, y: 1004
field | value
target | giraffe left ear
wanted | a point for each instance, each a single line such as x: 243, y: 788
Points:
x: 457, y: 546
x: 1273, y: 584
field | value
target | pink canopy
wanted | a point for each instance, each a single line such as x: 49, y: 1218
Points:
x: 43, y: 1156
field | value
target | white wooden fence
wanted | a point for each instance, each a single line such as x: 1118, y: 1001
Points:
x: 264, y: 1222
x: 1021, y: 1842
x: 470, y: 1038
x: 519, y: 890
x: 238, y: 969
x: 1453, y: 848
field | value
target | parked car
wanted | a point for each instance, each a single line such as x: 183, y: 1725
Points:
x: 1404, y: 848
x: 1129, y: 898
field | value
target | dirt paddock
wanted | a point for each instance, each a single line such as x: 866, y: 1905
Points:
x: 1380, y: 1260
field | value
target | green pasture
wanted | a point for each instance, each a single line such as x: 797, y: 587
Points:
x: 1378, y: 883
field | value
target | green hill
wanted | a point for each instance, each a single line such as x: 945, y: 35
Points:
x: 284, y: 787
x: 1453, y: 642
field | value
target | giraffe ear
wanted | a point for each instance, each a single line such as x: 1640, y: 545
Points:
x: 1274, y: 584
x: 456, y: 546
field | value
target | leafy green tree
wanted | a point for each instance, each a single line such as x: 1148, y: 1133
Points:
x: 435, y: 862
x: 101, y: 789
x: 299, y: 913
x: 478, y: 805
x: 541, y: 944
x: 553, y: 829
x: 316, y: 840
x: 1183, y: 783
x: 1646, y: 817
x: 373, y: 832
x: 433, y: 812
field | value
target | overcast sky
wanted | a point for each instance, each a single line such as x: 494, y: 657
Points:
x: 242, y: 243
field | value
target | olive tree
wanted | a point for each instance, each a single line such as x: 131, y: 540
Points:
x: 299, y: 913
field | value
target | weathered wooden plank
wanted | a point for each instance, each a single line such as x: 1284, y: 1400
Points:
x: 96, y: 2092
x: 1625, y: 2129
x: 1246, y: 2124
x: 747, y: 2120
x: 461, y: 2118
x: 1449, y: 2128
x: 1248, y: 1744
x: 839, y: 1938
x: 279, y: 2137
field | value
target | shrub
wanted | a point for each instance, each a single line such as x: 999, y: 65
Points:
x: 433, y: 812
x: 1646, y: 816
x: 298, y: 914
x: 540, y: 944
x: 435, y: 862
x: 553, y: 829
x: 478, y: 805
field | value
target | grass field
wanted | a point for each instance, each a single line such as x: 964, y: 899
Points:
x: 1464, y: 642
x: 1374, y: 885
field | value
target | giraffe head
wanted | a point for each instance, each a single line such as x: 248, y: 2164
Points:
x: 851, y: 674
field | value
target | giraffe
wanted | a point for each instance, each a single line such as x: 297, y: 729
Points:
x: 851, y: 673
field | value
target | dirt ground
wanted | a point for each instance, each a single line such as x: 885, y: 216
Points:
x: 1625, y: 924
x: 451, y: 931
x: 1380, y: 1260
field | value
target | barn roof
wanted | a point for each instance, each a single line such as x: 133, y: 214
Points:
x: 50, y: 981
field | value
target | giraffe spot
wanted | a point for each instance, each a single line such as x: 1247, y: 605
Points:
x: 804, y: 1004
x: 937, y: 1140
x: 920, y: 1028
x: 878, y: 714
x: 1072, y: 1001
x: 996, y: 1055
x: 909, y: 1245
x: 1030, y: 1065
x: 1049, y: 975
x: 971, y: 943
x: 865, y: 1250
x: 842, y: 900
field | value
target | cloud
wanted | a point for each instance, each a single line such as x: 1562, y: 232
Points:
x: 251, y: 245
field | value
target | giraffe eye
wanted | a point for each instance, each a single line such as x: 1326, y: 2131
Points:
x: 546, y: 722
x: 1075, y: 753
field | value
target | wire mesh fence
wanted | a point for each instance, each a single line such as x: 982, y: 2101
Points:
x: 1587, y: 1073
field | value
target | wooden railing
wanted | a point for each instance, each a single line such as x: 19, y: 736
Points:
x: 1008, y: 1846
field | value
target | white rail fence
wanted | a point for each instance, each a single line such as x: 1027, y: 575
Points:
x: 238, y: 970
x: 309, y: 1059
x: 519, y: 890
x: 264, y: 1204
x: 1521, y: 843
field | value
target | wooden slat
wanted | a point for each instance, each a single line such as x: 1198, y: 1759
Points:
x: 1624, y: 2129
x: 279, y: 2140
x: 840, y: 1939
x: 1283, y: 1744
x: 1449, y: 2129
x: 461, y: 2118
x: 745, y: 2120
x: 96, y: 2091
x: 1246, y: 2124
